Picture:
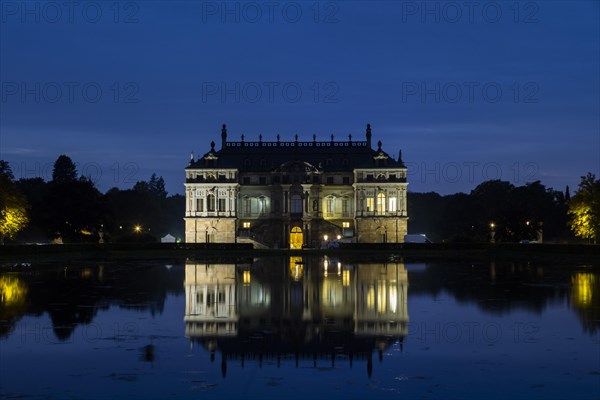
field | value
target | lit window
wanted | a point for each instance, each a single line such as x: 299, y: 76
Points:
x: 392, y: 204
x: 329, y: 205
x: 345, y: 224
x: 380, y: 203
x: 370, y: 204
x: 246, y: 225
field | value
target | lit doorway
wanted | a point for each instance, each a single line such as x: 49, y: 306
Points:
x: 296, y: 238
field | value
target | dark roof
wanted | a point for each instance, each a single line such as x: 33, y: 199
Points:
x: 326, y: 156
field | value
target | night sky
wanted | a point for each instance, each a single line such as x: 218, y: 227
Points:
x: 469, y: 91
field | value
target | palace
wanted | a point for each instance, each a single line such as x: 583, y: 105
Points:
x: 295, y: 194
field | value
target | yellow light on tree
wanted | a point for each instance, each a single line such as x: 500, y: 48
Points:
x: 12, y: 290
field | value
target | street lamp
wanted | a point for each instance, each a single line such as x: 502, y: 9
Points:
x: 492, y: 233
x: 137, y: 228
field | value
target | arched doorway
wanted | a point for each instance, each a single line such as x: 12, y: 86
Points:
x: 296, y: 238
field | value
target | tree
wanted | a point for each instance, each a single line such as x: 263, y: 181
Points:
x: 584, y: 208
x: 156, y: 185
x: 13, y: 206
x: 64, y: 170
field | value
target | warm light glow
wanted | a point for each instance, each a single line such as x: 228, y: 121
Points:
x: 371, y: 297
x: 137, y: 228
x: 339, y: 268
x: 583, y: 288
x: 12, y: 290
x: 345, y: 224
x: 296, y: 268
x: 393, y: 290
x: 296, y: 238
x: 246, y: 225
x: 246, y: 278
x: 527, y: 223
x: 12, y: 220
x: 325, y: 237
x: 339, y: 237
x: 492, y: 225
x: 346, y: 278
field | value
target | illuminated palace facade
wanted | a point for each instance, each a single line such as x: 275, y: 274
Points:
x: 295, y: 194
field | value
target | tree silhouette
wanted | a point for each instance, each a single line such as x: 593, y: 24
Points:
x: 64, y: 170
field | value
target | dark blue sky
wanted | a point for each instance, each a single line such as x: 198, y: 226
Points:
x: 468, y: 91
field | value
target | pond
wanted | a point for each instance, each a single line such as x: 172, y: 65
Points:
x: 300, y: 327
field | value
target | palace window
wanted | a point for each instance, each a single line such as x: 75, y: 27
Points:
x: 222, y: 205
x: 380, y: 203
x: 296, y: 204
x: 370, y: 204
x: 262, y: 205
x: 210, y: 199
x: 392, y: 207
x: 329, y: 205
x: 200, y: 205
x: 247, y: 206
x: 345, y: 208
x: 345, y: 224
x: 246, y: 225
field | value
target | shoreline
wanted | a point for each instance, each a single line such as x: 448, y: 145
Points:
x: 215, y: 252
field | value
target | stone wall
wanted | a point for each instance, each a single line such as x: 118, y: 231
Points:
x: 217, y: 230
x: 380, y: 230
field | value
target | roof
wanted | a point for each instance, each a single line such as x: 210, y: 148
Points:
x: 323, y: 155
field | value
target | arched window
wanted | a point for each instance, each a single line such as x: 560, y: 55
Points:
x: 380, y: 203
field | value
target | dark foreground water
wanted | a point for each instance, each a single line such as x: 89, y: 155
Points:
x: 300, y: 328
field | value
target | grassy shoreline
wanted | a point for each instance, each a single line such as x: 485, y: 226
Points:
x: 214, y: 252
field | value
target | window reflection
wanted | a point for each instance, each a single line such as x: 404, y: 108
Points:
x: 310, y: 308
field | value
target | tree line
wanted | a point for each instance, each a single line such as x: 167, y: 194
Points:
x: 69, y: 208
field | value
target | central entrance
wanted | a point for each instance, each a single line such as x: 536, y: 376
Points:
x: 296, y: 238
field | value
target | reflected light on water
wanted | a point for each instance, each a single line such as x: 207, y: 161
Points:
x: 296, y: 268
x: 583, y: 285
x: 12, y: 290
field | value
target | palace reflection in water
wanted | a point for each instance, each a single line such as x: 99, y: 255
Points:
x: 312, y: 309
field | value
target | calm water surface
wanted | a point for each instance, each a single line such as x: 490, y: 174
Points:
x: 300, y: 328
